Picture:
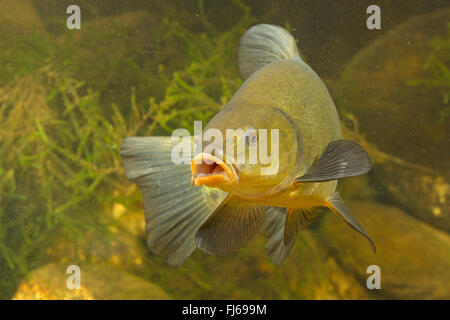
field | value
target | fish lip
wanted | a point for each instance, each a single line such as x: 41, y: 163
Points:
x: 226, y: 175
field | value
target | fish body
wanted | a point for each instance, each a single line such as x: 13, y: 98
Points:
x: 217, y: 203
x: 292, y: 87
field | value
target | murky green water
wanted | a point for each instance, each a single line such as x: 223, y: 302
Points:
x: 69, y: 97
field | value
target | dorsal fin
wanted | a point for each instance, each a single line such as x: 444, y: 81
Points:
x: 263, y: 44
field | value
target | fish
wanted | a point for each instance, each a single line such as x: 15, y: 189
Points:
x: 216, y: 203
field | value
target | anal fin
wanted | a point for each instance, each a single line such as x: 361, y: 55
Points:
x: 281, y: 226
x: 230, y: 226
x: 296, y: 221
x: 337, y: 205
x: 273, y: 229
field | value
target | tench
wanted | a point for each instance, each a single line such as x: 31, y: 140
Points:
x: 217, y: 203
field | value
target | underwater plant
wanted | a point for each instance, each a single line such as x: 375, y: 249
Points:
x: 59, y: 152
x: 437, y: 67
x: 65, y: 107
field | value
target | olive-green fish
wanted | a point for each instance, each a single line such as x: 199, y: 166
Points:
x: 232, y: 200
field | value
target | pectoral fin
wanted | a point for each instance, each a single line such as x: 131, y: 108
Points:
x: 337, y: 205
x: 340, y: 159
x: 230, y: 227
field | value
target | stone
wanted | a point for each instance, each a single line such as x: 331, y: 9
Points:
x: 309, y: 272
x: 97, y: 282
x: 414, y: 258
x: 21, y: 16
x: 420, y: 191
x: 399, y: 118
x: 404, y: 135
x: 425, y: 194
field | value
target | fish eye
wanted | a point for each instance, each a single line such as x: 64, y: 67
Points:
x: 251, y: 136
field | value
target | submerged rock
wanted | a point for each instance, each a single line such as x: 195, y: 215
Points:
x: 116, y: 53
x: 420, y: 191
x: 308, y: 273
x: 21, y: 16
x: 118, y: 248
x: 423, y: 193
x: 97, y: 282
x: 403, y: 120
x: 414, y: 258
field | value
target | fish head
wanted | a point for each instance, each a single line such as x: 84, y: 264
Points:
x: 246, y: 151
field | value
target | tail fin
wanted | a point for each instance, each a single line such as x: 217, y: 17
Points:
x: 173, y: 210
x: 263, y: 44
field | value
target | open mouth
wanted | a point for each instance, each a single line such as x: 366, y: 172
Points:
x: 211, y: 171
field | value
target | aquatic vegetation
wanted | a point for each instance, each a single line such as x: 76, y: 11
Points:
x: 54, y: 148
x: 20, y: 55
x: 60, y: 170
x: 437, y: 66
x: 62, y: 122
x: 67, y: 100
x: 59, y: 153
